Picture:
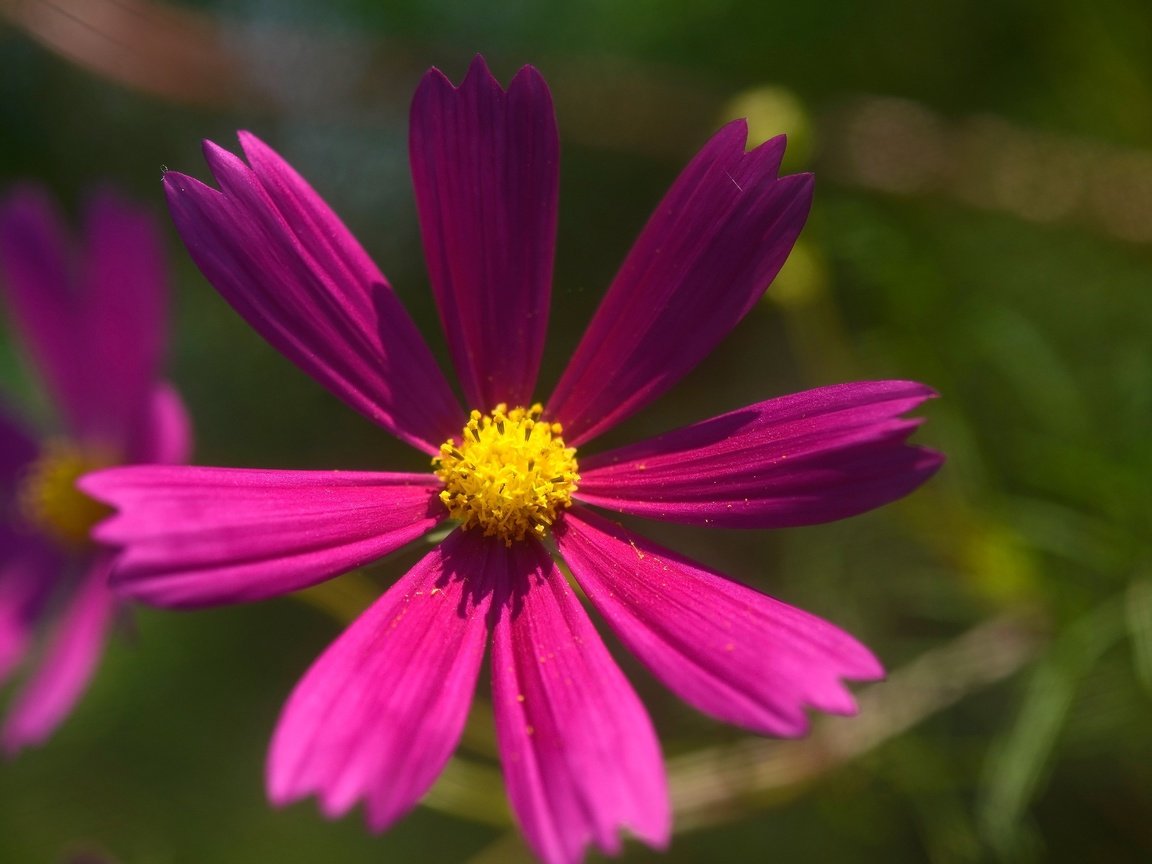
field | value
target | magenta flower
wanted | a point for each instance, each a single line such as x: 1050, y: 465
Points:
x: 379, y: 713
x: 92, y: 322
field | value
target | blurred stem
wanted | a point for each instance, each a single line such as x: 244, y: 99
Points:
x: 719, y: 784
x: 472, y: 791
x: 816, y: 330
x: 508, y: 848
x: 1016, y: 764
x: 343, y: 598
x: 1139, y: 613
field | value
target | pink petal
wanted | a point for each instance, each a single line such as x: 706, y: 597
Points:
x: 380, y: 712
x: 29, y: 571
x: 706, y: 255
x: 74, y: 646
x: 816, y: 456
x: 727, y: 650
x: 124, y: 290
x: 485, y: 166
x: 36, y: 276
x: 288, y: 265
x: 15, y: 635
x: 17, y: 450
x: 165, y: 437
x: 580, y: 756
x: 105, y: 303
x: 197, y: 536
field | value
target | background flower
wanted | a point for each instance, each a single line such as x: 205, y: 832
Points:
x: 91, y: 317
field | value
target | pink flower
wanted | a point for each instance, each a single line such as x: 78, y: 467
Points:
x: 378, y: 715
x: 92, y: 322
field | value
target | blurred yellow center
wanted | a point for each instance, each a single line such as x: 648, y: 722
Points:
x: 509, y: 473
x: 49, y: 498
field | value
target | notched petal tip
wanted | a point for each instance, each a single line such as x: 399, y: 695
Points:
x: 771, y: 152
x: 408, y: 662
x: 728, y: 650
x: 732, y: 129
x: 478, y: 74
x: 226, y: 166
x: 528, y: 76
x: 478, y: 65
x: 434, y: 77
x: 800, y: 188
x: 178, y: 188
x: 262, y: 156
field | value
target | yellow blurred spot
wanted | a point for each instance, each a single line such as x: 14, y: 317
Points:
x: 49, y: 499
x: 772, y: 111
x: 1001, y: 568
x: 802, y: 279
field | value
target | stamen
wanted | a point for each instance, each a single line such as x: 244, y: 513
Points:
x: 508, y: 474
x: 49, y: 499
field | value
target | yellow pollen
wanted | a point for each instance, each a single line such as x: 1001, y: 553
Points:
x: 509, y: 473
x: 49, y: 499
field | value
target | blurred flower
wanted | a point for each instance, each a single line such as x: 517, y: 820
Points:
x: 378, y: 715
x: 91, y: 320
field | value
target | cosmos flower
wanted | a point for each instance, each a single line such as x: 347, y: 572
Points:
x: 92, y: 321
x: 377, y: 716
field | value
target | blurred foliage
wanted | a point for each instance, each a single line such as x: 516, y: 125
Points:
x: 1035, y: 333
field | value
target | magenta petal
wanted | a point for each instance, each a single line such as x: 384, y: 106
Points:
x: 380, y: 712
x: 198, y: 536
x: 29, y: 572
x: 15, y: 634
x: 74, y: 645
x: 165, y: 437
x: 727, y: 650
x: 288, y: 265
x: 812, y: 457
x: 35, y: 254
x: 110, y: 307
x: 706, y: 255
x: 17, y: 450
x: 485, y: 166
x: 580, y: 757
x: 124, y: 294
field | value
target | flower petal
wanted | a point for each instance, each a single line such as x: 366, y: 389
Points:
x: 63, y: 673
x: 580, y: 757
x: 29, y: 571
x: 485, y: 166
x: 198, y: 536
x: 706, y: 255
x: 288, y: 265
x: 35, y: 272
x: 112, y: 309
x: 727, y: 650
x: 812, y: 457
x: 165, y: 437
x: 380, y: 712
x: 124, y: 303
x: 17, y: 450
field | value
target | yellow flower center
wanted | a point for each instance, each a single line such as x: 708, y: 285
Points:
x: 49, y: 499
x: 509, y: 473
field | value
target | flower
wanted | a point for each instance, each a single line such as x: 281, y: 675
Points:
x: 91, y: 320
x: 378, y: 715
